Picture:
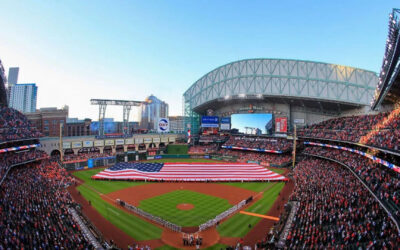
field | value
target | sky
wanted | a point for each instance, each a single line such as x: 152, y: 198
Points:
x: 124, y: 49
x: 240, y: 121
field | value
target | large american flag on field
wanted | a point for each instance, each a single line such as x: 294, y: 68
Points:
x: 181, y: 171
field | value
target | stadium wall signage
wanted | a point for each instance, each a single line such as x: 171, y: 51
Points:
x: 163, y: 125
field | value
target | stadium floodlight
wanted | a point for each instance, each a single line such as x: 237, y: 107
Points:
x: 259, y: 96
x: 242, y: 95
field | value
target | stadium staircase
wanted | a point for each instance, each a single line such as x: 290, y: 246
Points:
x: 88, y: 234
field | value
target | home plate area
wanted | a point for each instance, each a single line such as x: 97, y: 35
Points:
x: 186, y: 205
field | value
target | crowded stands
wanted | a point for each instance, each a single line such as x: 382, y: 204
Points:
x: 203, y: 149
x: 15, y: 126
x: 336, y: 211
x: 255, y: 142
x: 13, y: 158
x: 86, y: 156
x: 384, y: 182
x: 34, y: 209
x: 245, y: 156
x: 380, y: 130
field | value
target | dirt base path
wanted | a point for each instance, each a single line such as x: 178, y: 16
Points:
x: 210, y: 237
x: 262, y: 228
x: 109, y: 231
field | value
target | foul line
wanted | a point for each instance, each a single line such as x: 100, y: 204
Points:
x: 260, y: 215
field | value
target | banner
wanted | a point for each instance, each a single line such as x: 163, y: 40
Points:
x: 119, y: 142
x: 148, y: 140
x: 163, y: 125
x: 109, y: 142
x: 98, y: 143
x: 281, y: 124
x: 87, y: 144
x: 18, y: 148
x: 77, y: 144
x: 138, y: 140
x: 129, y: 141
x: 66, y: 145
x: 253, y: 149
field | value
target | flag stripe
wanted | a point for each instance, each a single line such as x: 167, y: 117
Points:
x: 189, y: 172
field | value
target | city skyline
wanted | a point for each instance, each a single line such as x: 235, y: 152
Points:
x: 83, y: 50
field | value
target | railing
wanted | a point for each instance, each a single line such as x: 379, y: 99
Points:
x: 222, y: 216
x: 149, y: 216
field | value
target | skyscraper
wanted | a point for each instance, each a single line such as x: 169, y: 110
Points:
x: 3, y: 92
x: 23, y: 97
x: 151, y: 111
x: 13, y: 76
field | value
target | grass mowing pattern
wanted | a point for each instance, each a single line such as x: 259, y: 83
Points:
x: 205, y: 207
x: 278, y: 170
x: 133, y: 226
x: 252, y: 186
x: 104, y: 187
x: 237, y: 225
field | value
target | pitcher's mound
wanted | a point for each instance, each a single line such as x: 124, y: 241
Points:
x: 185, y: 206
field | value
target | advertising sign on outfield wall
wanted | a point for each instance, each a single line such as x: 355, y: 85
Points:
x: 119, y: 142
x: 66, y: 145
x: 156, y: 139
x: 99, y: 143
x: 87, y: 144
x: 129, y: 141
x: 76, y: 144
x: 164, y: 139
x: 148, y: 140
x: 138, y: 140
x: 172, y: 139
x: 109, y: 142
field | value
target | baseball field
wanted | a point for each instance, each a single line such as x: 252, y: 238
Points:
x: 185, y: 204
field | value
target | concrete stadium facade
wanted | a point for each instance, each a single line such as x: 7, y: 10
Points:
x: 297, y: 89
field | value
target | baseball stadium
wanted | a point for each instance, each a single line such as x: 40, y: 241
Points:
x: 325, y: 174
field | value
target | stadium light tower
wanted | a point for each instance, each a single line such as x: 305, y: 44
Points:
x: 126, y: 105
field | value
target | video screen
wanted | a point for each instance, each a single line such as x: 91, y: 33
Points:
x: 255, y: 123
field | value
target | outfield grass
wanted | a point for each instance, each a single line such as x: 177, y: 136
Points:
x: 205, y: 208
x: 237, y: 225
x: 133, y: 226
x: 278, y: 170
x: 104, y: 187
x: 252, y: 186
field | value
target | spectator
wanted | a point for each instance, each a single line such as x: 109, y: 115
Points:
x: 15, y: 126
x: 336, y: 211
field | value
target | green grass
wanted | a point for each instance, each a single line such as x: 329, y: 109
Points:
x: 237, y: 225
x: 252, y: 186
x: 104, y: 187
x: 205, y: 207
x: 177, y: 149
x: 278, y: 170
x: 135, y: 227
